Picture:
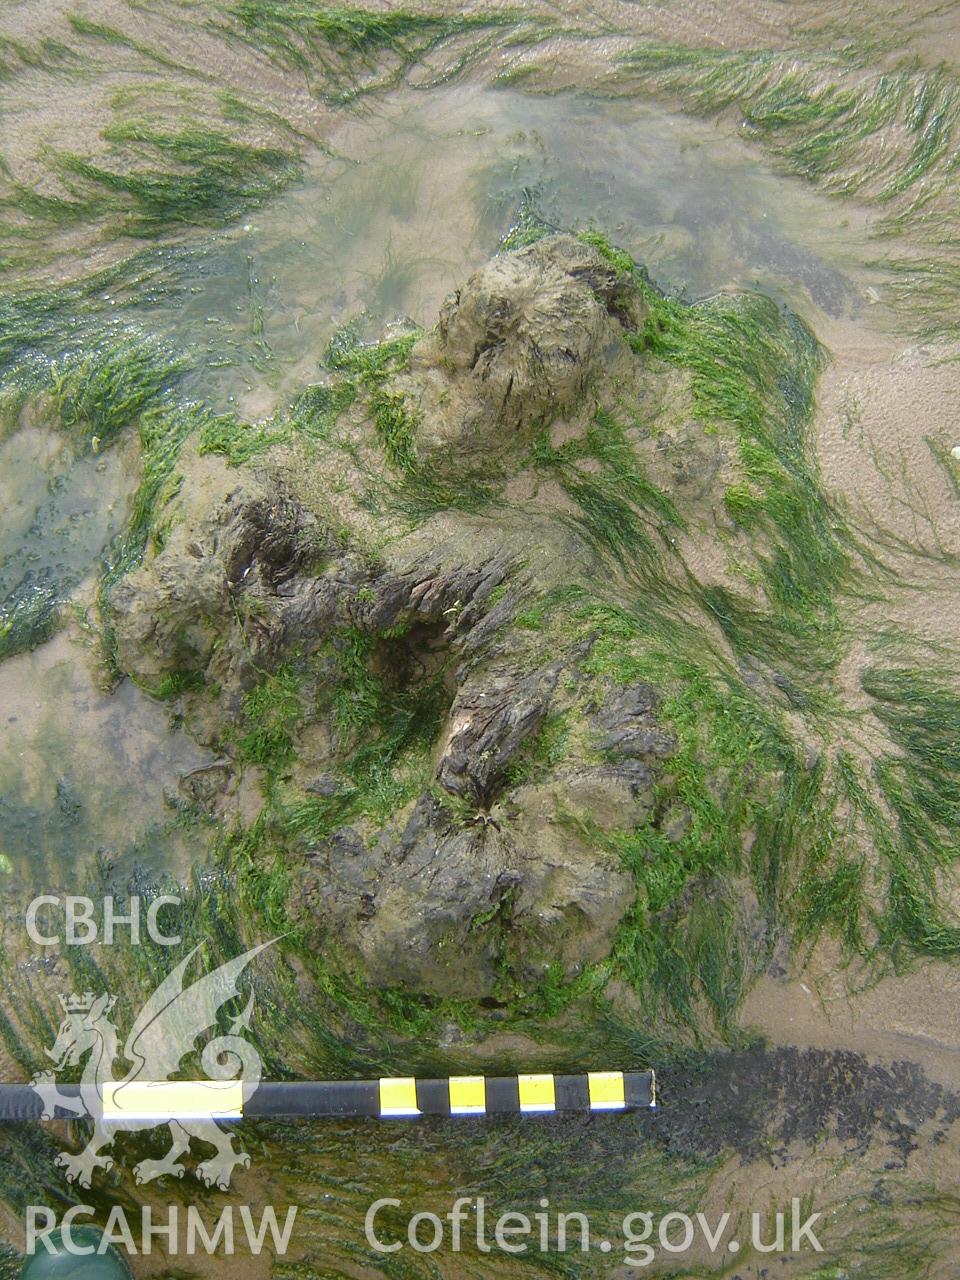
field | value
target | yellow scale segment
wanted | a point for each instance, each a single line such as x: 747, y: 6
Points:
x: 398, y: 1096
x: 537, y: 1093
x: 468, y: 1095
x: 173, y: 1099
x: 607, y: 1091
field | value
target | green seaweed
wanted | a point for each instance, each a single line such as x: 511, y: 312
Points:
x: 887, y: 136
x: 621, y: 508
x: 29, y: 615
x: 920, y: 787
x: 726, y: 777
x: 163, y: 430
x: 396, y: 428
x: 820, y: 114
x: 209, y: 178
x: 238, y: 441
x: 180, y: 682
x: 948, y: 464
x: 310, y: 36
x: 754, y: 366
x: 85, y: 26
x: 46, y: 53
x: 272, y: 712
x: 97, y: 392
x: 172, y: 159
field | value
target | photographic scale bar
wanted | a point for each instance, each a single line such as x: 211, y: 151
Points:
x: 389, y: 1098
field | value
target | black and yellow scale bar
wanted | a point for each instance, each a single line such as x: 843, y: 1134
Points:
x: 407, y: 1097
x: 388, y: 1098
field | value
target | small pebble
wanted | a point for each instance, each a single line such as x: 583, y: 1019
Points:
x: 955, y: 452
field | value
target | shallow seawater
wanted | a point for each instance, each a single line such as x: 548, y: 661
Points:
x: 82, y: 771
x: 420, y: 188
x: 84, y: 776
x: 60, y: 511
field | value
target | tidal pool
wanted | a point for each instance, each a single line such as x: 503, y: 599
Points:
x: 86, y: 777
x: 418, y: 189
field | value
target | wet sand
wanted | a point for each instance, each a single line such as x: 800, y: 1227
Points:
x: 914, y: 1017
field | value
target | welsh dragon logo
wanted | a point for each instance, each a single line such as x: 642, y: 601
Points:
x: 164, y: 1033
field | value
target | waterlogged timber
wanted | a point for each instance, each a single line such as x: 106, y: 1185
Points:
x: 300, y: 585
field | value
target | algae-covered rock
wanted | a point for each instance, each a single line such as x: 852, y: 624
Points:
x: 445, y: 782
x: 231, y: 557
x: 519, y: 342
